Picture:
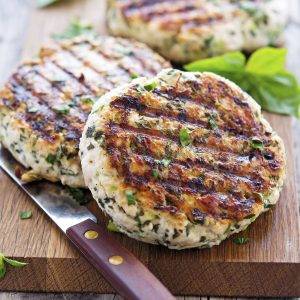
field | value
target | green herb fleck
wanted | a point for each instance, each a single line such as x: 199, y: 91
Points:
x: 32, y: 109
x: 134, y: 75
x: 44, y: 3
x: 212, y: 122
x: 87, y: 100
x: 62, y: 109
x: 25, y: 214
x: 241, y: 240
x: 51, y: 158
x: 78, y: 195
x: 111, y: 226
x: 184, y: 137
x: 75, y: 28
x: 150, y: 86
x: 155, y: 173
x: 166, y: 162
x: 131, y: 199
x: 14, y: 263
x: 257, y: 144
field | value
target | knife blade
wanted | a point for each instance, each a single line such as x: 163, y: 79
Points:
x: 127, y: 275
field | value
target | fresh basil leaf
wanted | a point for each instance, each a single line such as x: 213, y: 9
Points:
x: 75, y: 28
x: 2, y: 266
x: 25, y: 215
x: 227, y: 63
x: 44, y: 3
x: 14, y: 263
x: 267, y: 61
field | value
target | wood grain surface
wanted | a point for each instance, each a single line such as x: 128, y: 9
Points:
x: 54, y: 265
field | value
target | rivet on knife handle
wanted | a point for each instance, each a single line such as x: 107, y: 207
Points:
x: 130, y: 278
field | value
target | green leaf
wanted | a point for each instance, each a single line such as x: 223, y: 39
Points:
x: 241, y: 240
x: 131, y: 199
x: 25, y: 215
x: 44, y: 3
x: 111, y: 226
x: 2, y: 266
x: 257, y: 144
x: 14, y: 263
x: 134, y: 76
x: 227, y: 63
x: 184, y: 137
x: 267, y: 61
x: 75, y: 28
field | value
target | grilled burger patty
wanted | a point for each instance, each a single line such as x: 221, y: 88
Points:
x: 186, y: 30
x: 183, y: 160
x: 45, y: 103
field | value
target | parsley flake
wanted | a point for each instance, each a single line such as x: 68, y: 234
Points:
x: 150, y: 86
x: 257, y: 144
x: 131, y: 199
x: 241, y: 240
x: 184, y: 137
x: 112, y: 227
x: 25, y: 215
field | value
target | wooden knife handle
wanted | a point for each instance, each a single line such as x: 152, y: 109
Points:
x: 127, y: 275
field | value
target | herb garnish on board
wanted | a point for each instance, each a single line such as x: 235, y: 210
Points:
x: 14, y: 263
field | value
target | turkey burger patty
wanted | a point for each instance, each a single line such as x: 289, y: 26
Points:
x: 183, y: 160
x: 45, y: 103
x: 186, y: 30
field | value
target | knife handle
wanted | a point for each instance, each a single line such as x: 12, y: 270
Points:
x: 126, y: 274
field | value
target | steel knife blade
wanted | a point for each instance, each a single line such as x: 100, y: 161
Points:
x: 127, y: 275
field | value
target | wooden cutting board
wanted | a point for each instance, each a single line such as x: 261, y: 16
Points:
x: 269, y: 265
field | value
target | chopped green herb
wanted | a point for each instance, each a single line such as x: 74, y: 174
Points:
x: 113, y: 188
x: 155, y: 173
x: 212, y: 122
x: 263, y: 76
x: 150, y: 86
x: 44, y: 3
x: 131, y: 199
x: 78, y: 195
x: 87, y: 100
x: 14, y: 263
x: 25, y: 214
x: 51, y: 158
x: 134, y: 76
x: 184, y: 137
x: 111, y: 226
x: 32, y: 109
x: 268, y: 205
x: 241, y: 240
x: 166, y: 162
x: 62, y: 109
x: 257, y: 144
x: 75, y: 28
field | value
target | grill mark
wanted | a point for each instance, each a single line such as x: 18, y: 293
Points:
x: 217, y: 168
x: 145, y: 111
x: 88, y: 65
x: 63, y: 122
x: 86, y: 85
x: 201, y: 102
x: 174, y: 188
x: 114, y: 129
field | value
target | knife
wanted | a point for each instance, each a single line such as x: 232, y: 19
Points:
x: 127, y: 275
